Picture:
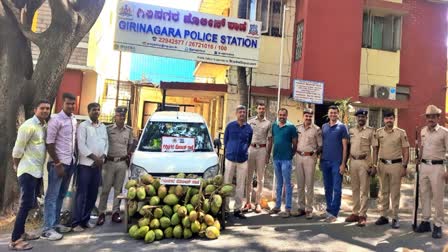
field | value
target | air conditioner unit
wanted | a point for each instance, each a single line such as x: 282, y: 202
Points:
x: 384, y: 92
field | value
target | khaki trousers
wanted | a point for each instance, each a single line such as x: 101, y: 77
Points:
x: 241, y: 174
x: 432, y: 188
x: 256, y: 162
x: 360, y: 182
x: 390, y: 184
x: 113, y: 174
x: 305, y: 168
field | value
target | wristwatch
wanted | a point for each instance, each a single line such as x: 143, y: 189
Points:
x: 405, y: 166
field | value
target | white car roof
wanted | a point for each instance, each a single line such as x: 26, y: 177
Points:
x: 174, y: 116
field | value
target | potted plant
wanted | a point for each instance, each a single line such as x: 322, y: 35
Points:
x: 346, y: 111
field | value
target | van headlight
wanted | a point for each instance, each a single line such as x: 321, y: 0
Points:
x: 211, y: 172
x: 137, y: 171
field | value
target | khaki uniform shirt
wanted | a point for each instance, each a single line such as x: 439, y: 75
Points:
x: 310, y: 138
x: 434, y: 143
x: 391, y: 143
x: 361, y: 140
x: 119, y: 140
x: 261, y: 130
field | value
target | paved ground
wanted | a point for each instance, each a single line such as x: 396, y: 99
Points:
x: 265, y: 233
x: 274, y: 235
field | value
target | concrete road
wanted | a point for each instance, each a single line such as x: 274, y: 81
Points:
x: 266, y: 233
x: 257, y: 233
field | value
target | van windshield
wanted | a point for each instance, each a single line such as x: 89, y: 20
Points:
x: 175, y: 136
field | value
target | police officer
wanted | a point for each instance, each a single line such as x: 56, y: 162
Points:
x: 258, y: 155
x: 114, y: 170
x: 432, y: 171
x: 362, y: 138
x: 393, y: 154
x: 308, y: 147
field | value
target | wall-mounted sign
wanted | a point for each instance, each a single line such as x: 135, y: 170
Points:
x: 167, y: 32
x: 308, y: 91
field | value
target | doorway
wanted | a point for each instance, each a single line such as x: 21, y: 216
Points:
x: 320, y: 114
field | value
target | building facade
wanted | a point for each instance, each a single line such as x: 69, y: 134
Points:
x: 264, y: 80
x: 382, y: 54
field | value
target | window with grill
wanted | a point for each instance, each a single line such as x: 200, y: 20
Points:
x: 375, y: 118
x: 299, y: 41
x: 109, y: 97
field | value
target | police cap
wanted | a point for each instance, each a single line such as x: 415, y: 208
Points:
x: 121, y: 110
x: 361, y: 112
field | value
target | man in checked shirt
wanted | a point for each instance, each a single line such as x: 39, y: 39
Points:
x: 29, y: 157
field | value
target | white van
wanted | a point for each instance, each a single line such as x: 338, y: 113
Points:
x: 175, y: 142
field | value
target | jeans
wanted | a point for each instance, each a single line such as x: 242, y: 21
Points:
x: 56, y: 191
x: 88, y: 179
x: 333, y: 185
x: 28, y: 185
x: 283, y: 174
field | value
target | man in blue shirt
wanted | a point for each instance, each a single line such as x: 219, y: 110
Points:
x: 284, y: 139
x: 333, y: 159
x: 237, y: 139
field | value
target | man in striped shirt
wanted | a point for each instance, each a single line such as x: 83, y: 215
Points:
x: 29, y: 158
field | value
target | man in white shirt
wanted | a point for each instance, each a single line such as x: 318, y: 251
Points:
x: 92, y: 145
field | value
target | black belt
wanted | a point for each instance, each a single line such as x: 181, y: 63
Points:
x: 393, y: 161
x: 360, y: 157
x: 258, y: 145
x: 432, y: 162
x: 304, y: 153
x: 116, y: 159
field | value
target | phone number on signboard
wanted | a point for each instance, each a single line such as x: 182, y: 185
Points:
x: 207, y: 46
x: 192, y: 44
x: 172, y: 41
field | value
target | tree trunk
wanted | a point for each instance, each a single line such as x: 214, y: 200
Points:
x: 20, y: 84
x: 242, y: 86
x: 241, y: 71
x: 15, y: 59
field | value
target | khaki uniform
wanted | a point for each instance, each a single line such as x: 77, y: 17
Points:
x: 257, y: 156
x: 361, y: 141
x: 241, y: 175
x: 432, y: 182
x: 114, y: 172
x: 390, y: 147
x: 310, y: 140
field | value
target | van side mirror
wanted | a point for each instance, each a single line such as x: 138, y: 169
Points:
x: 217, y: 143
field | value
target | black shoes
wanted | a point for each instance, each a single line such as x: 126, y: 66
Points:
x: 101, y: 219
x: 437, y: 232
x: 395, y: 224
x: 382, y: 221
x: 239, y: 214
x: 424, y: 227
